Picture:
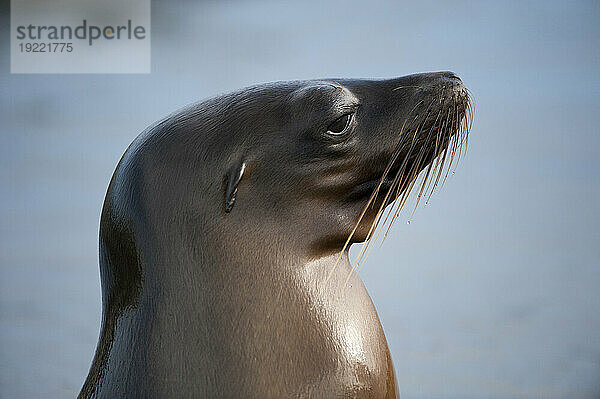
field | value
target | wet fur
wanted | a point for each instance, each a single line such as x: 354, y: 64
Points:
x: 225, y: 230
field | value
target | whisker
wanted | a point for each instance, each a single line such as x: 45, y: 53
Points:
x: 396, y: 152
x: 452, y: 146
x: 371, y: 198
x: 444, y: 154
x: 406, y: 87
x: 422, y: 153
x: 399, y: 185
x: 383, y: 203
x: 439, y: 158
x: 404, y: 197
x: 451, y: 129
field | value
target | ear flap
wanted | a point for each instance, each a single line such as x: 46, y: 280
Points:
x: 234, y: 176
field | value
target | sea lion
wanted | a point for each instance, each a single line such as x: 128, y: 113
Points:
x: 225, y: 230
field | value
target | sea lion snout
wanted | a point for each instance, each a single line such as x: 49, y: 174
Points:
x: 407, y: 125
x: 453, y: 82
x: 429, y: 84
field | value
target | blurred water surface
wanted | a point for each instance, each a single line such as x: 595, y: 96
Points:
x: 490, y: 292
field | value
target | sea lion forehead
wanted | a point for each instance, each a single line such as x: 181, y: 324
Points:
x: 325, y: 91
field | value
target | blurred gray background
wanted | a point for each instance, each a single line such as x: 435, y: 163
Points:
x: 492, y: 291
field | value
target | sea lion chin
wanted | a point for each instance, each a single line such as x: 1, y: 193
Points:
x: 225, y: 231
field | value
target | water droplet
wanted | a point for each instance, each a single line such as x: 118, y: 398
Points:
x: 408, y: 222
x: 452, y: 172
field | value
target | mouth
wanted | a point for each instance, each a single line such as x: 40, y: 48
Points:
x: 366, y: 189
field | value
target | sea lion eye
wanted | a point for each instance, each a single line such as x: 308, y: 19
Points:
x: 340, y: 125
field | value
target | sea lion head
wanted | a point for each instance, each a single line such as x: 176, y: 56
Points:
x: 302, y: 164
x: 311, y: 155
